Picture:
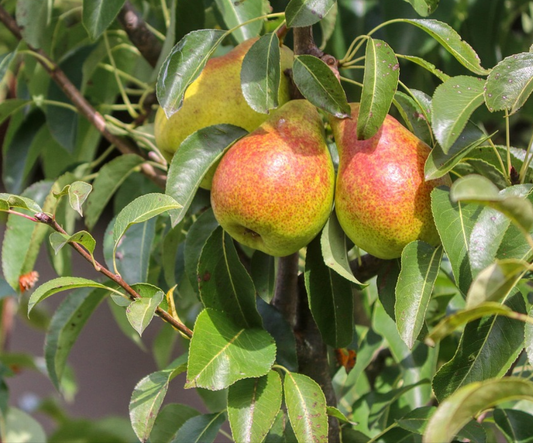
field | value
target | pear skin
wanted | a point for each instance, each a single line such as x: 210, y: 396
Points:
x: 382, y: 200
x: 215, y: 97
x: 273, y: 190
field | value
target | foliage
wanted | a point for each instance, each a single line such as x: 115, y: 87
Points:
x: 443, y: 336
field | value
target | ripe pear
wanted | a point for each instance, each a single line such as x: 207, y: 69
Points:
x: 273, y: 189
x: 382, y: 200
x: 215, y: 97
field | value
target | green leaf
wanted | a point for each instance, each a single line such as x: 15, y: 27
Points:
x: 424, y: 7
x: 236, y: 13
x: 510, y: 83
x: 327, y: 25
x: 419, y: 269
x: 192, y: 161
x: 469, y: 401
x: 116, y: 305
x: 202, y: 428
x: 413, y: 116
x: 263, y: 273
x: 380, y: 81
x: 60, y: 284
x: 169, y: 420
x: 183, y: 65
x: 65, y: 326
x: 10, y: 106
x: 452, y: 42
x: 98, y: 15
x: 223, y: 282
x: 33, y: 16
x: 110, y: 177
x: 334, y: 249
x: 253, y: 405
x: 330, y: 299
x: 528, y: 338
x: 77, y: 194
x: 430, y: 67
x: 261, y: 74
x: 453, y: 103
x: 487, y: 349
x: 306, y: 407
x: 17, y: 201
x: 416, y: 421
x: 83, y: 238
x: 515, y: 424
x: 141, y: 311
x: 20, y: 427
x: 148, y: 395
x: 318, y: 84
x: 5, y: 61
x: 334, y: 412
x: 189, y: 16
x: 307, y: 12
x: 222, y: 353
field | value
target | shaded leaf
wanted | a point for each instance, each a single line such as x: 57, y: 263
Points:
x: 327, y: 25
x: 417, y: 420
x: 98, y: 15
x: 263, y: 271
x: 413, y: 116
x: 10, y: 106
x: 33, y: 17
x: 169, y: 420
x: 236, y: 13
x: 189, y: 16
x: 5, y: 61
x: 141, y: 311
x: 528, y: 338
x: 307, y: 12
x: 202, y: 428
x: 515, y: 424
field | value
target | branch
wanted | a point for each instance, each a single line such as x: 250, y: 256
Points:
x: 286, y: 291
x: 81, y: 104
x: 50, y: 221
x: 367, y: 267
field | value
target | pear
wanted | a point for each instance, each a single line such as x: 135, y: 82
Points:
x: 215, y: 97
x: 382, y: 200
x: 273, y: 189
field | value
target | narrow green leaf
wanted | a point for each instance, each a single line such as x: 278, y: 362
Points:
x: 169, y: 420
x: 141, y: 311
x: 148, y: 395
x: 60, y: 284
x: 110, y: 177
x: 98, y: 15
x: 202, y: 428
x: 380, y: 81
x: 334, y: 249
x: 327, y: 25
x: 253, y: 405
x: 83, y: 238
x: 413, y: 116
x: 5, y: 61
x: 222, y: 353
x: 457, y: 410
x: 307, y: 12
x: 192, y: 161
x: 33, y: 17
x: 318, y: 84
x: 236, y: 13
x: 334, y: 412
x: 263, y: 273
x: 453, y: 103
x: 419, y: 269
x: 65, y: 326
x: 20, y: 427
x: 261, y: 74
x: 10, y: 106
x: 306, y: 407
x: 510, y: 83
x: 424, y: 7
x: 452, y: 42
x: 330, y: 299
x: 515, y: 424
x: 184, y: 63
x: 425, y: 64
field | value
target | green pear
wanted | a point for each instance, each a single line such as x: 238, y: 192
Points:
x: 273, y: 189
x: 382, y: 200
x: 215, y: 97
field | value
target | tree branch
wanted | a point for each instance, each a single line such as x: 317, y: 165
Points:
x: 286, y: 290
x: 82, y: 105
x: 367, y: 267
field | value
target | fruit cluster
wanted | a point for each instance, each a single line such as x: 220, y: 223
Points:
x: 274, y: 189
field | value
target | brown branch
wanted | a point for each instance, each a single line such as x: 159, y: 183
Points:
x: 367, y: 268
x: 50, y: 221
x: 139, y: 34
x: 286, y: 290
x: 82, y: 105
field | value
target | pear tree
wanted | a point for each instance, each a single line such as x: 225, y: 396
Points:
x: 323, y: 207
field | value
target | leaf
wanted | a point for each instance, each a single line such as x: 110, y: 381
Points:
x: 416, y: 420
x: 330, y: 299
x: 424, y: 7
x: 183, y: 65
x: 428, y: 66
x: 334, y: 412
x: 458, y: 409
x: 236, y: 13
x: 452, y: 42
x: 169, y: 420
x: 65, y: 326
x: 510, y: 83
x: 10, y: 106
x: 307, y: 12
x: 20, y: 427
x: 327, y: 25
x: 202, y: 428
x: 5, y: 61
x: 83, y: 238
x: 487, y: 349
x: 33, y: 17
x: 98, y: 15
x: 18, y: 201
x: 515, y: 424
x: 334, y: 249
x: 223, y: 282
x: 195, y: 157
x: 413, y: 116
x: 222, y: 353
x: 189, y: 16
x: 380, y: 81
x: 306, y: 407
x: 261, y: 74
x: 141, y: 311
x: 453, y: 103
x: 419, y: 269
x: 110, y: 177
x: 263, y: 272
x: 318, y: 84
x: 148, y: 395
x: 77, y: 194
x: 253, y: 405
x: 60, y: 284
x: 528, y: 338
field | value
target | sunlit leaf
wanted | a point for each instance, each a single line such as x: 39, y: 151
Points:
x: 236, y: 13
x: 20, y: 427
x: 307, y: 12
x: 424, y: 7
x: 17, y: 201
x: 425, y: 64
x: 141, y: 311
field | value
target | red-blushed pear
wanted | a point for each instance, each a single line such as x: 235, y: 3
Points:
x: 215, y: 97
x: 382, y: 200
x: 273, y: 189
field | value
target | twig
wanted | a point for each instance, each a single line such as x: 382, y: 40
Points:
x: 368, y: 268
x: 46, y: 219
x: 286, y: 290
